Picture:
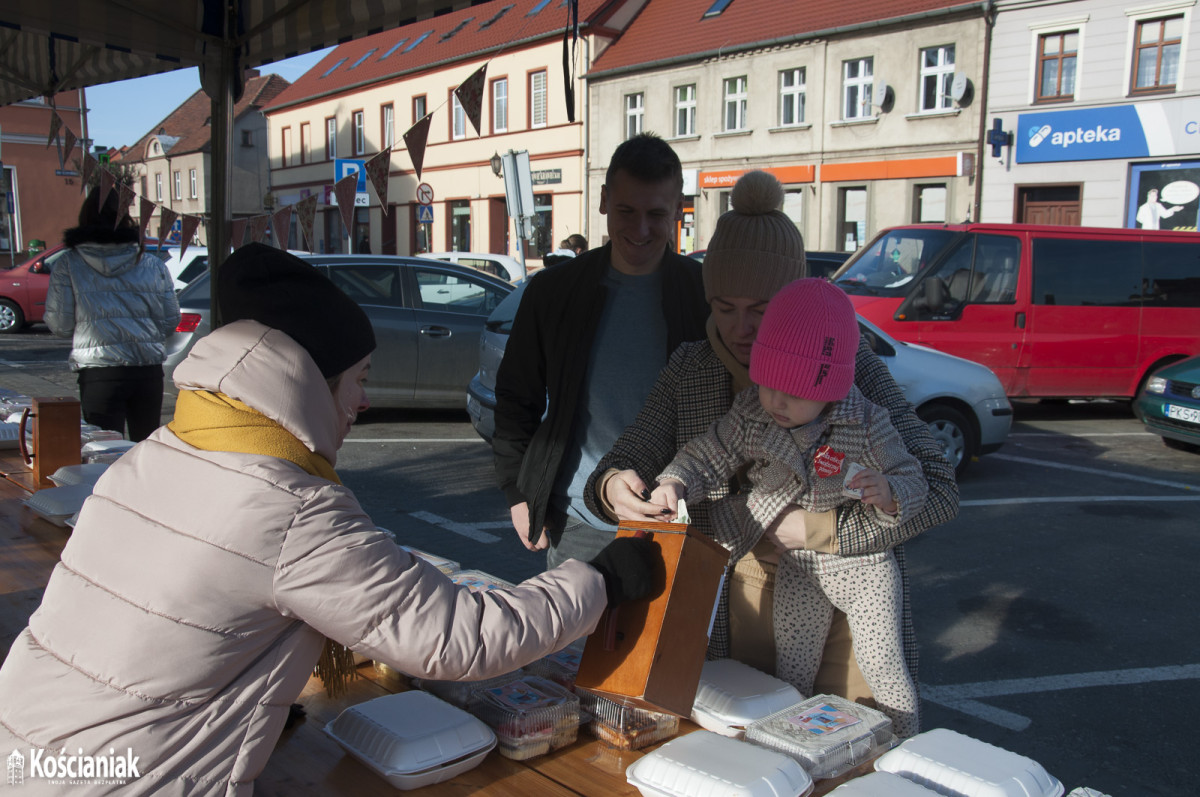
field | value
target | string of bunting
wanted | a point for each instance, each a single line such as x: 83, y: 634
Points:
x: 470, y: 94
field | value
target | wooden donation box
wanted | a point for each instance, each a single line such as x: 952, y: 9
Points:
x: 649, y: 653
x: 55, y: 437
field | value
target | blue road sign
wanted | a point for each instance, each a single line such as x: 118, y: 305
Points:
x: 345, y: 166
x: 424, y: 214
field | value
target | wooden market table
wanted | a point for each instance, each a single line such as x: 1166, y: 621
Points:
x: 305, y: 760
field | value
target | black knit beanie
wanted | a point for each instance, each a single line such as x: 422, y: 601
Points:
x: 261, y: 283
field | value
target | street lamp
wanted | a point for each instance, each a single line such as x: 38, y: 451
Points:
x: 496, y: 164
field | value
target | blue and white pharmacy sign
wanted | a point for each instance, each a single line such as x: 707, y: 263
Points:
x: 1149, y: 129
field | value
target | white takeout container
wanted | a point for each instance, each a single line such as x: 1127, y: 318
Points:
x: 881, y: 784
x: 826, y: 734
x: 78, y: 474
x: 731, y: 695
x: 952, y: 763
x: 412, y: 739
x: 59, y: 504
x: 705, y: 763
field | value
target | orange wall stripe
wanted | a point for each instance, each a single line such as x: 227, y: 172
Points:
x: 946, y: 166
x: 785, y: 174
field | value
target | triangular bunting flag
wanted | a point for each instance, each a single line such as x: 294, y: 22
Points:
x: 415, y: 139
x: 124, y: 200
x: 89, y: 166
x: 281, y: 225
x: 258, y: 227
x: 145, y: 210
x: 570, y: 37
x: 69, y: 140
x: 470, y: 94
x: 377, y: 175
x: 237, y: 233
x: 187, y: 229
x: 166, y: 221
x: 306, y: 212
x: 107, y: 183
x: 345, y: 189
x: 55, y: 124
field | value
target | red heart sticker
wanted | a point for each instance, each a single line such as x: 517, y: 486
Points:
x: 828, y: 462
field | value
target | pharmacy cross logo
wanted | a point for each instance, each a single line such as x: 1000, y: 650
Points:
x: 16, y: 768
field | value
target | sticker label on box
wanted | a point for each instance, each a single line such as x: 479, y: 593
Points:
x: 823, y: 719
x: 522, y: 696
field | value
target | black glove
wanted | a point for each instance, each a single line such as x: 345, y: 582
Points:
x: 628, y: 565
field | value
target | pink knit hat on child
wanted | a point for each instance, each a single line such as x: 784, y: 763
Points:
x: 807, y: 342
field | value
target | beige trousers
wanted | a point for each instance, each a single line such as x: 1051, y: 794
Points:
x: 752, y: 640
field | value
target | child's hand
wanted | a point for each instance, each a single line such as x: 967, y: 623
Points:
x: 667, y: 494
x: 875, y: 490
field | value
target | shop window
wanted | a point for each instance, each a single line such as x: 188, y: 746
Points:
x: 852, y: 218
x: 929, y: 204
x: 543, y: 225
x: 460, y: 225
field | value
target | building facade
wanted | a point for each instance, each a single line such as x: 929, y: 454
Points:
x: 171, y: 163
x: 1101, y: 99
x: 868, y: 116
x: 39, y: 197
x: 363, y: 96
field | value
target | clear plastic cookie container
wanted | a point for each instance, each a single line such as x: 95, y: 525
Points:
x: 827, y: 734
x: 625, y: 727
x: 561, y: 667
x: 459, y: 693
x: 531, y: 716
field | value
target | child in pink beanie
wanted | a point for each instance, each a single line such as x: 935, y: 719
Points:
x: 812, y: 440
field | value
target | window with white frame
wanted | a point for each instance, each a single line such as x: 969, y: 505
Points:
x: 192, y: 183
x: 791, y: 97
x: 500, y: 105
x: 360, y: 144
x: 937, y: 73
x: 634, y: 112
x: 158, y: 186
x: 388, y: 122
x: 929, y: 203
x: 305, y: 141
x: 331, y: 137
x: 856, y: 88
x: 736, y: 96
x: 458, y: 118
x: 178, y: 184
x: 537, y: 99
x: 1156, y: 54
x: 685, y: 110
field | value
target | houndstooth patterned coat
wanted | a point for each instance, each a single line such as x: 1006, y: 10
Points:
x: 694, y: 390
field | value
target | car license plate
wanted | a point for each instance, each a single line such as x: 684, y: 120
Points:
x: 1186, y: 414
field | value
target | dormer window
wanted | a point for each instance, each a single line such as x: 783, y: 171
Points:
x: 156, y: 148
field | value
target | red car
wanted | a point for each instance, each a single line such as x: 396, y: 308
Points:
x: 23, y: 291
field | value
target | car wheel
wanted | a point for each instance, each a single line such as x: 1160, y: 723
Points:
x: 1180, y: 445
x: 953, y: 433
x: 11, y: 317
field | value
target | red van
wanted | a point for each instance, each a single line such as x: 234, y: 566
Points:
x: 1056, y: 312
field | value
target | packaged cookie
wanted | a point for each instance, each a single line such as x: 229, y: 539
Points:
x: 531, y: 716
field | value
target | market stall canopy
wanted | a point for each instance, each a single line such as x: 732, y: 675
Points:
x: 48, y: 46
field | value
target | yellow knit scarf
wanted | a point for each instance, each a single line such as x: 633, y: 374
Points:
x: 215, y: 422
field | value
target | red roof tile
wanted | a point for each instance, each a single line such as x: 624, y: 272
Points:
x: 453, y: 37
x: 189, y: 122
x: 668, y: 29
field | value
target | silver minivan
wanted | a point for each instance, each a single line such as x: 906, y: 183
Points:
x: 962, y: 401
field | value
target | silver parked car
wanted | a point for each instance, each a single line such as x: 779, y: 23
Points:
x: 962, y: 401
x: 427, y: 316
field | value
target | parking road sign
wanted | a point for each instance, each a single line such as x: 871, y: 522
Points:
x: 424, y: 214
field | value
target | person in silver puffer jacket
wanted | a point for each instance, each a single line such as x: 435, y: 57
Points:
x: 118, y: 304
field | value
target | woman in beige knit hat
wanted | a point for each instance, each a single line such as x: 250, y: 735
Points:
x: 754, y: 252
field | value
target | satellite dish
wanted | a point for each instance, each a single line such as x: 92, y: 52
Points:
x: 960, y: 88
x: 882, y: 95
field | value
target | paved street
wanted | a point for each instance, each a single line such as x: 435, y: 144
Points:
x: 1056, y: 614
